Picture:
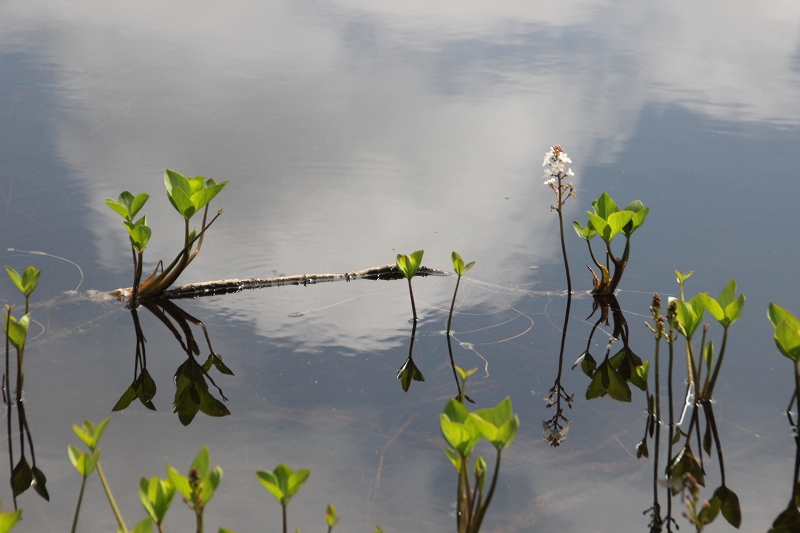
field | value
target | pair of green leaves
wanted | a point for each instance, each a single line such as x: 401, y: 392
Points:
x: 787, y: 331
x: 127, y: 206
x: 726, y: 309
x: 608, y: 220
x: 459, y: 266
x: 190, y: 195
x: 409, y: 264
x: 90, y: 435
x: 27, y: 282
x: 156, y: 497
x: 283, y: 483
x: 462, y: 430
x: 208, y: 479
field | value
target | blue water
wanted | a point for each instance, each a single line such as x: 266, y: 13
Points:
x: 350, y: 133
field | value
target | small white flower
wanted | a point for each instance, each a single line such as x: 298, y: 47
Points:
x: 551, y: 182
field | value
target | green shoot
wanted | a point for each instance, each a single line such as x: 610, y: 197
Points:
x: 408, y: 266
x: 283, y: 484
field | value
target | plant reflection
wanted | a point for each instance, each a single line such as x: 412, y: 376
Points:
x: 23, y: 475
x: 409, y: 371
x: 555, y: 429
x: 192, y: 393
x: 614, y: 373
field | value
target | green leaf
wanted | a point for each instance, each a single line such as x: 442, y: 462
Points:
x: 270, y: 482
x: 584, y: 233
x: 202, y: 197
x: 409, y: 372
x: 727, y: 294
x: 686, y: 463
x: 40, y: 483
x: 21, y: 477
x: 183, y: 203
x: 682, y: 277
x: 378, y: 529
x: 709, y: 513
x: 117, y: 207
x: 456, y: 411
x: 82, y: 462
x: 137, y: 204
x: 465, y: 374
x: 331, y: 518
x: 604, y: 206
x: 641, y: 449
x: 219, y: 365
x: 787, y: 522
x: 180, y: 482
x: 209, y: 484
x: 730, y: 507
x: 462, y: 437
x: 733, y: 311
x: 156, y: 496
x: 708, y: 354
x: 408, y: 264
x: 202, y: 461
x: 17, y: 330
x: 145, y: 525
x: 26, y: 283
x: 282, y: 482
x: 9, y: 519
x: 713, y: 307
x: 690, y: 314
x: 600, y: 226
x: 787, y: 338
x: 639, y: 215
x: 588, y: 364
x: 296, y: 481
x: 617, y: 388
x: 599, y: 385
x: 618, y: 220
x: 89, y: 433
x: 454, y: 458
x: 458, y: 264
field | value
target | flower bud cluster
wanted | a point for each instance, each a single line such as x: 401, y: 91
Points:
x: 556, y: 160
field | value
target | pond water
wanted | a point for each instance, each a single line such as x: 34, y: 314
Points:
x: 353, y: 131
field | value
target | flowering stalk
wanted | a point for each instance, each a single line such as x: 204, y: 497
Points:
x: 555, y: 173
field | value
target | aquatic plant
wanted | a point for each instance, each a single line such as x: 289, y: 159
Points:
x: 23, y: 475
x: 555, y: 160
x: 199, y: 486
x: 462, y: 430
x: 85, y: 464
x: 787, y: 339
x: 283, y: 483
x: 408, y: 266
x: 685, y: 471
x: 188, y: 196
x: 460, y: 269
x: 608, y: 221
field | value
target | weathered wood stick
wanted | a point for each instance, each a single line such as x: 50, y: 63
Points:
x: 227, y: 286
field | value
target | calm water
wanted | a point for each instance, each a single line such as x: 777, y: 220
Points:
x: 350, y: 132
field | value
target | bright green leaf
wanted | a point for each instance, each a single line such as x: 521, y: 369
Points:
x: 331, y: 518
x: 180, y: 482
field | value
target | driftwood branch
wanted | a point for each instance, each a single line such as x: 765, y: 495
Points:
x: 227, y: 286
